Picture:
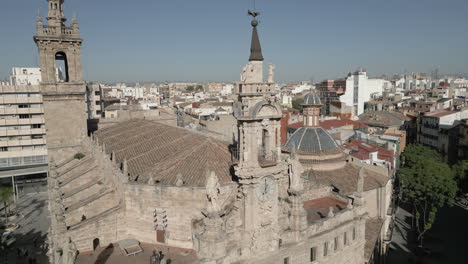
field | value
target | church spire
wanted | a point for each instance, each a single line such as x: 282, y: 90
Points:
x: 255, y: 48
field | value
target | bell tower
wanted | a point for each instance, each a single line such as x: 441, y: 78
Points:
x: 62, y: 85
x: 259, y: 167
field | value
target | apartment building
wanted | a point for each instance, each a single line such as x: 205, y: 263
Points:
x: 437, y: 129
x: 23, y: 151
x: 94, y: 101
x: 330, y: 91
x: 360, y: 89
x: 25, y: 76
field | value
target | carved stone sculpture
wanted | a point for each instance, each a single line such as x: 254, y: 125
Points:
x: 212, y: 191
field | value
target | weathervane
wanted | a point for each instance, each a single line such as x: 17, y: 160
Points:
x: 254, y: 14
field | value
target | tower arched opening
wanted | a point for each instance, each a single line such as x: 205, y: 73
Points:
x: 61, y: 64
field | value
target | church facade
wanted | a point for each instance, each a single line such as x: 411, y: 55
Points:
x: 251, y: 200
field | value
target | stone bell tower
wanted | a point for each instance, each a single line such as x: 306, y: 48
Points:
x: 259, y: 166
x: 62, y: 86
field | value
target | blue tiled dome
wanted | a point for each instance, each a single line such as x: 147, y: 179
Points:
x: 312, y: 140
x: 312, y: 99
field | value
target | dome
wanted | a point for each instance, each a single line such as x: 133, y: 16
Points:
x: 312, y: 140
x: 312, y: 99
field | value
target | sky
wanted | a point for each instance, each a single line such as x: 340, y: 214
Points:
x: 209, y: 40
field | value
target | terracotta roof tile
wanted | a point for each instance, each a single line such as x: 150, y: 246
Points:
x: 156, y: 150
x: 345, y: 179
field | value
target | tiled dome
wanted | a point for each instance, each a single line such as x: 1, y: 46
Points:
x: 312, y: 140
x: 312, y: 99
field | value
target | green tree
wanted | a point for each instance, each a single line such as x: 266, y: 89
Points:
x: 5, y: 198
x: 427, y: 183
x: 460, y: 171
x: 296, y: 103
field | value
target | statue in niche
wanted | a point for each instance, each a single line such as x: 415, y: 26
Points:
x: 295, y: 173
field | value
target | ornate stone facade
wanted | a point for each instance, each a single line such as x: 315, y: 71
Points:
x: 246, y: 201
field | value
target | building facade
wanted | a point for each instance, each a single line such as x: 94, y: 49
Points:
x: 360, y: 88
x: 22, y: 134
x: 251, y: 200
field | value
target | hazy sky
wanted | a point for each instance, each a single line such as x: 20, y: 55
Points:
x: 209, y: 40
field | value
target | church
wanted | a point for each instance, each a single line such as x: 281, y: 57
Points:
x: 250, y: 200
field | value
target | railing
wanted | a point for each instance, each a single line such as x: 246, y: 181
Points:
x: 265, y: 158
x: 48, y: 30
x: 23, y: 161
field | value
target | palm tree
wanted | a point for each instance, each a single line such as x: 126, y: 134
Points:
x: 5, y: 199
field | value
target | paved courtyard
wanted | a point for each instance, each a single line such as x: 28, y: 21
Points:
x: 34, y: 225
x: 114, y: 255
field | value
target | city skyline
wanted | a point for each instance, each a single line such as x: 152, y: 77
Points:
x: 194, y: 42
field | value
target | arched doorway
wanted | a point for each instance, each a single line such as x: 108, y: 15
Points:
x: 95, y: 244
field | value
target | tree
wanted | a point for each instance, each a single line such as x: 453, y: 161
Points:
x: 427, y: 183
x: 5, y: 199
x: 460, y: 171
x: 296, y: 103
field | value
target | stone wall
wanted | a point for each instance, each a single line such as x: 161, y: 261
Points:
x: 182, y: 204
x: 299, y: 253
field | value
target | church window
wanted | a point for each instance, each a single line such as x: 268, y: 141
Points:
x: 325, y: 249
x: 286, y: 260
x: 55, y: 6
x: 345, y: 238
x: 61, y: 64
x: 335, y: 244
x: 313, y: 254
x: 354, y: 233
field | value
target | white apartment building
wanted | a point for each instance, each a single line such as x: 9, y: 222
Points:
x: 360, y: 88
x: 94, y: 101
x: 25, y: 76
x: 302, y: 87
x: 23, y: 149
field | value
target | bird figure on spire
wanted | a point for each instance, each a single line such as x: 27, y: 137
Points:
x: 253, y: 13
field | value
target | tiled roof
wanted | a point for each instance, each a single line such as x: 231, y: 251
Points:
x: 362, y: 149
x: 373, y: 228
x: 346, y: 178
x: 318, y: 208
x: 296, y: 125
x: 311, y: 140
x: 439, y: 113
x: 162, y: 151
x: 383, y: 118
x: 335, y: 123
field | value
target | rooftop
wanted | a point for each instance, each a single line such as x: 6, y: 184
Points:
x: 361, y: 150
x: 439, y: 113
x: 166, y: 153
x: 346, y: 178
x: 383, y: 118
x: 319, y: 208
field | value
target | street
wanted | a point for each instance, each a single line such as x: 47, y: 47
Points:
x: 446, y: 241
x: 34, y: 224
